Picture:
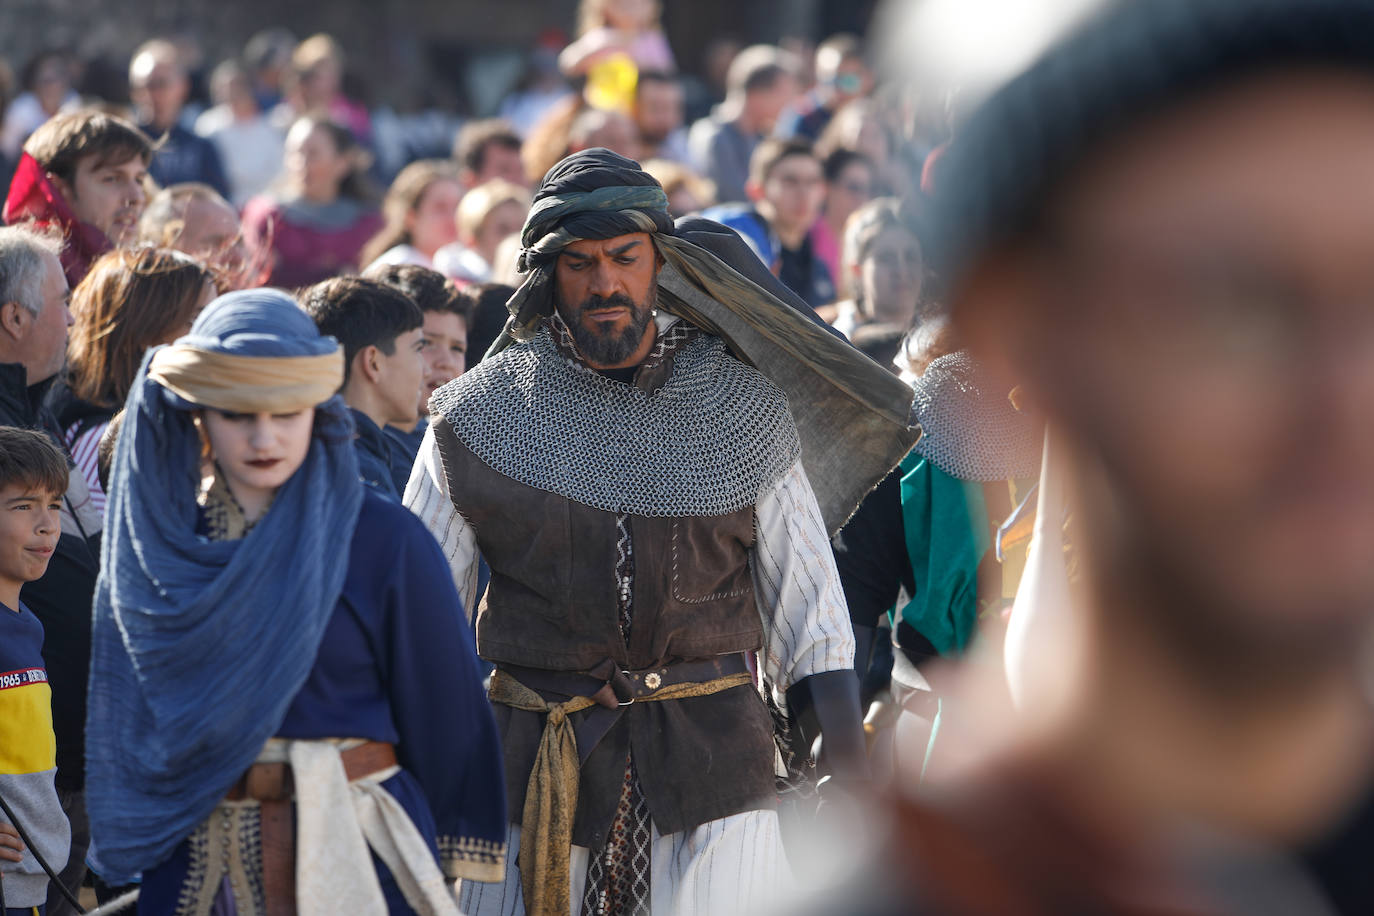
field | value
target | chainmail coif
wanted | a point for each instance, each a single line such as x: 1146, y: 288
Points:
x: 972, y: 431
x: 709, y: 442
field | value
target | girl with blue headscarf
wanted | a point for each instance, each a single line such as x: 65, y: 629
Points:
x: 284, y: 692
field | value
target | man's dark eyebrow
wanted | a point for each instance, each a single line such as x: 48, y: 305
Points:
x: 614, y: 252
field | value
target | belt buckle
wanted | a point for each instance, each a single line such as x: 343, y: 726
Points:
x: 629, y: 679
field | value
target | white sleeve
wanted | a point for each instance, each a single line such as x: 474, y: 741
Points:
x: 805, y: 619
x: 427, y: 496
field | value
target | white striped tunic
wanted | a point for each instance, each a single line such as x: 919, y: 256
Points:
x: 736, y: 863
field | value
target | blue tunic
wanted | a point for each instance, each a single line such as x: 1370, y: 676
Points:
x: 396, y: 664
x: 377, y: 454
x: 405, y: 446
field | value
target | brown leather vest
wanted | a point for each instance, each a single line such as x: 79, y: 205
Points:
x: 552, y: 601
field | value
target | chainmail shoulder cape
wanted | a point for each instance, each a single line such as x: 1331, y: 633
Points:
x: 709, y: 442
x: 972, y: 431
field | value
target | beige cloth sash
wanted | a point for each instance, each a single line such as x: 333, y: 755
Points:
x: 551, y: 799
x: 338, y: 822
x: 248, y: 384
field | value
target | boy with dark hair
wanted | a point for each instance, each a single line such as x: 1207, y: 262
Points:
x: 382, y: 334
x: 33, y: 337
x: 444, y: 341
x: 33, y: 477
x: 786, y: 187
x: 489, y: 149
x: 84, y: 174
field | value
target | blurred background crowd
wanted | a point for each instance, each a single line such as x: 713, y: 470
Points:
x: 338, y: 148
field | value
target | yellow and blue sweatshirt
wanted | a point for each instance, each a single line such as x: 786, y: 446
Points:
x: 28, y: 757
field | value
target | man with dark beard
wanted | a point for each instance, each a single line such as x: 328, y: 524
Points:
x: 655, y: 516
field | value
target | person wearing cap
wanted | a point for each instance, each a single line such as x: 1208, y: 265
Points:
x: 267, y: 631
x: 655, y: 513
x: 1162, y: 232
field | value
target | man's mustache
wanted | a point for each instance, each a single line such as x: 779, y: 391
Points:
x: 615, y: 300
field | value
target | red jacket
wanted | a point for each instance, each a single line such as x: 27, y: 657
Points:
x: 33, y: 198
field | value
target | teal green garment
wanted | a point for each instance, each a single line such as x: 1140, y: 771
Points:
x: 944, y: 520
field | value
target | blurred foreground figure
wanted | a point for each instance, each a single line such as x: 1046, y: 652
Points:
x: 1164, y: 232
x: 655, y: 537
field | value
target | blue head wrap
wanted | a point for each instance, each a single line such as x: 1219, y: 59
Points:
x: 199, y: 646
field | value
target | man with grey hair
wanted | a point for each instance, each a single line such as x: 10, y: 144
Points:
x: 194, y: 218
x: 761, y: 82
x: 33, y: 342
x: 33, y: 308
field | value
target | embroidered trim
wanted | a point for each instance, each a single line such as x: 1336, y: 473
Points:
x: 250, y: 841
x: 472, y: 859
x: 197, y: 870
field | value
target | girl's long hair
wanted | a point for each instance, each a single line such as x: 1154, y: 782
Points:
x: 402, y: 199
x: 132, y: 299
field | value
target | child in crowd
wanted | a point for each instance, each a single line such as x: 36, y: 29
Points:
x: 611, y: 27
x: 382, y: 334
x: 33, y: 477
x: 488, y: 214
x: 444, y: 349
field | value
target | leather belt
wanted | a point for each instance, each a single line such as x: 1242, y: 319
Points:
x: 272, y: 781
x: 272, y: 787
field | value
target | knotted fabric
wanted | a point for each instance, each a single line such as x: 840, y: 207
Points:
x: 341, y: 824
x: 198, y: 645
x: 546, y: 823
x: 247, y: 384
x: 851, y: 414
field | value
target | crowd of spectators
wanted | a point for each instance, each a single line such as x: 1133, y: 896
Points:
x: 785, y: 153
